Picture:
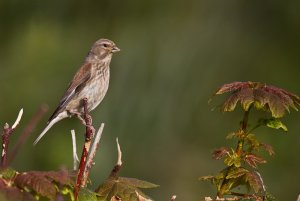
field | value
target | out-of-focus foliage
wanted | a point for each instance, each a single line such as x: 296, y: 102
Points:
x: 173, y: 55
x: 243, y: 160
x: 35, y: 185
x: 127, y: 189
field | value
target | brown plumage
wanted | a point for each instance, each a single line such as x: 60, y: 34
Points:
x: 91, y: 81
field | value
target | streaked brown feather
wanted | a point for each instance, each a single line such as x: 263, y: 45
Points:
x: 78, y: 82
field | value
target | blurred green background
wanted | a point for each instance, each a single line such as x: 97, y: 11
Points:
x: 174, y: 55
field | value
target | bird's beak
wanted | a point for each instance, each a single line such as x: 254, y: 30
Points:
x: 115, y: 49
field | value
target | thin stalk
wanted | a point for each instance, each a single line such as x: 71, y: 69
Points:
x: 239, y: 150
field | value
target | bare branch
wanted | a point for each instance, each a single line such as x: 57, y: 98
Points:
x: 92, y: 154
x: 75, y: 157
x: 18, y: 119
x: 119, y: 161
x: 7, y: 131
x: 118, y: 165
x: 89, y: 135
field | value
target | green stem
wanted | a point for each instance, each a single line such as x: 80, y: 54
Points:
x: 243, y: 129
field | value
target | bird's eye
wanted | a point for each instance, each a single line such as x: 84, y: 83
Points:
x: 105, y: 45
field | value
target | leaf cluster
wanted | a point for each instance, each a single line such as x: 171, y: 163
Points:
x: 242, y: 161
x: 262, y: 96
x: 35, y: 185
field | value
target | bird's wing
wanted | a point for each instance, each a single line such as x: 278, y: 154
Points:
x: 78, y: 82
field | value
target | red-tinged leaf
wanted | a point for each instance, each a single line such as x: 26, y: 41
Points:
x: 220, y: 153
x: 273, y: 99
x: 14, y: 194
x: 62, y: 177
x: 253, y: 160
x: 37, y: 182
x: 268, y: 148
x: 230, y: 87
x: 236, y: 173
x: 255, y: 182
x: 44, y: 183
x: 246, y: 98
x: 230, y: 103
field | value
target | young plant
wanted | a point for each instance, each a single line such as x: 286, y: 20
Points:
x: 242, y: 161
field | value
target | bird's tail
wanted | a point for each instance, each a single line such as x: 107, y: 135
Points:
x: 50, y: 124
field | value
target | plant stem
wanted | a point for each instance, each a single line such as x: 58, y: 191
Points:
x: 243, y: 130
x: 239, y: 150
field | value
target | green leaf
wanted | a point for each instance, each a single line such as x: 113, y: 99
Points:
x: 8, y: 173
x: 275, y: 123
x: 137, y: 183
x: 252, y: 141
x: 207, y: 178
x: 86, y: 195
x: 236, y: 173
x: 233, y: 159
x: 127, y: 189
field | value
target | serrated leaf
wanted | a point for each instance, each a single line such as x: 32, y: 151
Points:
x: 43, y: 183
x: 236, y: 173
x: 233, y: 159
x: 8, y: 193
x: 253, y: 160
x: 254, y: 181
x: 220, y: 153
x: 137, y: 183
x: 207, y: 178
x: 86, y: 195
x: 123, y: 188
x: 268, y: 148
x: 252, y: 141
x: 273, y: 99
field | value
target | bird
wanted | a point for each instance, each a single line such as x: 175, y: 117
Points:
x: 91, y: 81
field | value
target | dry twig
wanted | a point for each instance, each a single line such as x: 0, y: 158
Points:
x: 75, y: 156
x: 118, y: 165
x: 7, y: 131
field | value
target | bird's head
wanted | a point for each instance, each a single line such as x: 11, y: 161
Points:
x: 103, y: 48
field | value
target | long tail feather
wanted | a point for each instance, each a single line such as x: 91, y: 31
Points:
x: 51, y: 123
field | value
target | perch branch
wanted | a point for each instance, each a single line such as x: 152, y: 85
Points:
x: 89, y: 134
x: 92, y: 154
x: 75, y: 157
x: 118, y: 165
x: 7, y: 131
